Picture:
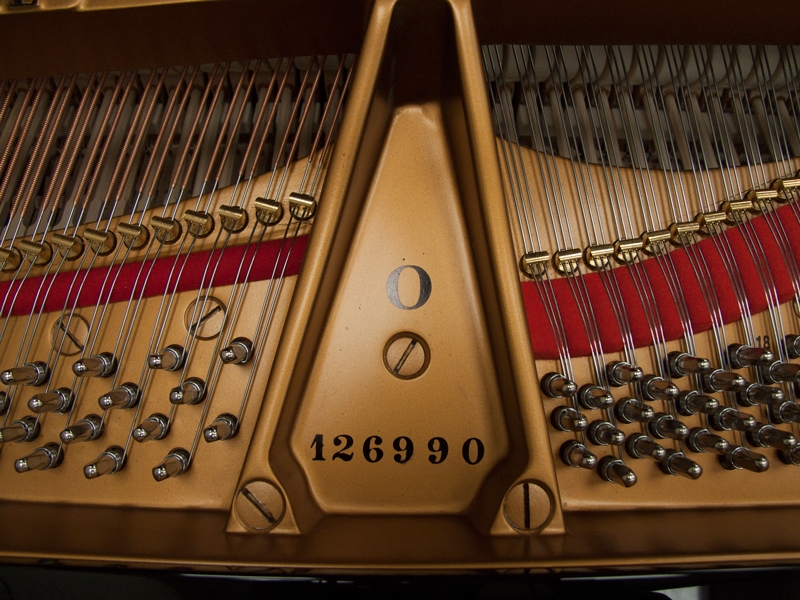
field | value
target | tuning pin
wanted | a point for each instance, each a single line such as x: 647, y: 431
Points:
x: 224, y: 427
x: 22, y: 430
x: 622, y: 373
x: 791, y: 457
x: 603, y: 433
x: 58, y: 401
x: 593, y: 397
x: 46, y: 457
x: 35, y: 373
x: 564, y: 418
x: 739, y: 457
x: 124, y: 396
x: 784, y: 412
x: 170, y: 358
x: 5, y: 402
x: 109, y: 462
x: 725, y: 419
x: 681, y: 364
x: 555, y: 385
x: 639, y: 445
x: 97, y: 365
x: 702, y: 440
x: 176, y: 463
x: 793, y: 345
x: 84, y: 430
x: 614, y: 470
x: 723, y: 381
x: 577, y: 455
x: 630, y: 410
x: 692, y: 402
x: 676, y: 463
x: 665, y: 426
x: 658, y: 388
x: 748, y: 356
x: 191, y: 391
x: 769, y: 436
x: 779, y: 372
x: 239, y: 352
x: 154, y: 427
x: 757, y: 393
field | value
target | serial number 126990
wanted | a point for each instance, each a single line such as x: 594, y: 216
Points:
x: 472, y: 450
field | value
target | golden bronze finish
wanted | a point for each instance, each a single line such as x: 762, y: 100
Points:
x: 102, y: 243
x: 38, y: 253
x: 134, y: 237
x: 393, y: 419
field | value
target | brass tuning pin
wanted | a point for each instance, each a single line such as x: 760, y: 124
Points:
x: 57, y: 401
x: 630, y: 410
x: 191, y: 391
x: 84, y: 430
x: 757, y: 393
x: 593, y: 397
x: 614, y: 470
x: 35, y: 373
x: 577, y: 455
x: 769, y: 436
x: 46, y: 457
x: 676, y: 463
x: 170, y: 358
x: 665, y: 426
x: 658, y: 388
x: 603, y: 433
x: 239, y: 351
x: 723, y: 381
x: 693, y: 402
x: 742, y: 356
x: 124, y: 396
x: 154, y: 427
x: 702, y: 440
x: 555, y: 385
x: 565, y: 418
x: 639, y: 445
x: 97, y: 365
x: 622, y: 373
x: 22, y: 430
x: 681, y: 364
x: 224, y: 427
x: 109, y: 462
x: 174, y: 464
x: 739, y: 457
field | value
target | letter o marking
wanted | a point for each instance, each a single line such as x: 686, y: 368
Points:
x: 393, y: 291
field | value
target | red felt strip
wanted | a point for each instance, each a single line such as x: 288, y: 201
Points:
x: 543, y: 340
x: 131, y: 277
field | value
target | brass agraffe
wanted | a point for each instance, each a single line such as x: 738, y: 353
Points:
x: 307, y: 349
